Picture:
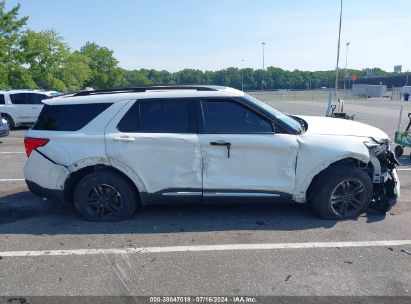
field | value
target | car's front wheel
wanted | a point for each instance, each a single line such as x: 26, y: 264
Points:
x: 346, y: 192
x: 105, y: 195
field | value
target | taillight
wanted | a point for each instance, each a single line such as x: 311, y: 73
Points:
x: 31, y: 143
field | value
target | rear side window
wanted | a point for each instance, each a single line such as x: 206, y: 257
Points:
x: 2, y: 100
x: 158, y: 116
x: 28, y: 98
x: 20, y: 98
x: 71, y: 117
x: 130, y: 123
x: 37, y: 98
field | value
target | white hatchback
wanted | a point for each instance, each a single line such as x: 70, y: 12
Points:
x: 109, y: 151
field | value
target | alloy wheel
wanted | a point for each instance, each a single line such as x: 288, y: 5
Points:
x: 104, y: 200
x: 347, y: 198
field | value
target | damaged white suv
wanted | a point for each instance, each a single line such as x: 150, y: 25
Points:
x: 109, y: 151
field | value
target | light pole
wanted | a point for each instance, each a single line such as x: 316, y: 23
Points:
x: 345, y: 69
x: 242, y: 75
x: 338, y: 49
x: 262, y: 78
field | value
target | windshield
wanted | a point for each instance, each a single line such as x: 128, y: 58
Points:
x: 287, y: 119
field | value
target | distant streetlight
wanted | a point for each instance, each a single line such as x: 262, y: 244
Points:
x: 345, y: 69
x: 338, y: 49
x: 262, y: 78
x: 242, y: 75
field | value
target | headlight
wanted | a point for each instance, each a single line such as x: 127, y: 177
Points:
x: 377, y: 147
x: 371, y: 143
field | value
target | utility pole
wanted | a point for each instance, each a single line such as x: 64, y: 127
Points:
x: 242, y: 75
x: 338, y: 49
x: 345, y: 69
x: 262, y: 78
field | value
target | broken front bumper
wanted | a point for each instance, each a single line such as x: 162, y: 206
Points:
x: 386, y: 194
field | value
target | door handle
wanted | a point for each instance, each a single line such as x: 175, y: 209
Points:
x: 224, y: 144
x: 124, y: 138
x: 220, y: 143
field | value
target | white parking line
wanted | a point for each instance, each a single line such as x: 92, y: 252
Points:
x: 403, y: 169
x: 2, y: 180
x: 202, y: 248
x: 11, y: 152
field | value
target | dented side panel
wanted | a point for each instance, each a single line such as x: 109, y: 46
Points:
x: 154, y: 161
x: 256, y: 162
x: 317, y: 152
x: 158, y: 161
x: 67, y: 152
x: 55, y: 175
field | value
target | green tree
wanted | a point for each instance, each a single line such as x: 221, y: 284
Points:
x: 190, y: 76
x: 45, y: 53
x: 20, y: 77
x: 10, y: 32
x: 103, y: 65
x: 135, y: 78
x: 75, y: 71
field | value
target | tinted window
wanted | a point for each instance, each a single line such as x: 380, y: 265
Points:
x: 284, y: 118
x: 158, y: 116
x: 37, y: 98
x: 68, y: 117
x: 27, y: 98
x: 20, y: 98
x: 229, y: 117
x: 130, y: 122
x: 2, y: 101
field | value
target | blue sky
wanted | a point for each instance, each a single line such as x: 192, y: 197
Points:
x: 215, y: 34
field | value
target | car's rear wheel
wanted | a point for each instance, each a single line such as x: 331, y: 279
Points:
x: 9, y: 120
x: 345, y: 192
x: 105, y: 195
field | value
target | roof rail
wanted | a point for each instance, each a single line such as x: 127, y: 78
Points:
x: 148, y: 88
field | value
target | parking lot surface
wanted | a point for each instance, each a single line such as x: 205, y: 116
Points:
x: 46, y: 249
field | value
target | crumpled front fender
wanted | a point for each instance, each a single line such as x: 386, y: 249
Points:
x: 318, y: 152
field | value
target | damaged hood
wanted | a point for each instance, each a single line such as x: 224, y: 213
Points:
x: 342, y: 127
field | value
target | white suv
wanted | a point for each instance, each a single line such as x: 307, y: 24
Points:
x: 110, y: 151
x: 22, y: 107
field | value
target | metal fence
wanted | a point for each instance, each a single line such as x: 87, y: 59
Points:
x: 322, y: 94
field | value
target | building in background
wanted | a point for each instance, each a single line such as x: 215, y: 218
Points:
x: 397, y: 69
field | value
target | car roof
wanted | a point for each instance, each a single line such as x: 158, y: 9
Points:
x: 115, y: 95
x: 16, y: 91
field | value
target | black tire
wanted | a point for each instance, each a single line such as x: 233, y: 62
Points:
x: 105, y: 196
x: 345, y: 192
x: 399, y: 151
x: 9, y: 120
